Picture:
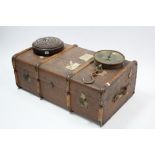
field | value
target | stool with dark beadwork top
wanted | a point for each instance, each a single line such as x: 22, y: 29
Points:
x: 47, y: 46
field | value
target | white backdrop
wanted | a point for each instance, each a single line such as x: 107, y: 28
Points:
x: 20, y: 109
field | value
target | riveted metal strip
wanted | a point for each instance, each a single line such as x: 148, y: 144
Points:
x: 100, y: 115
x: 68, y: 95
x: 100, y: 111
x: 38, y: 80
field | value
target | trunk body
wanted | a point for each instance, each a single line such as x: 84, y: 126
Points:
x: 59, y: 79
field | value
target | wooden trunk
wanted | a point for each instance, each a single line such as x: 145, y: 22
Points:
x: 59, y: 79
